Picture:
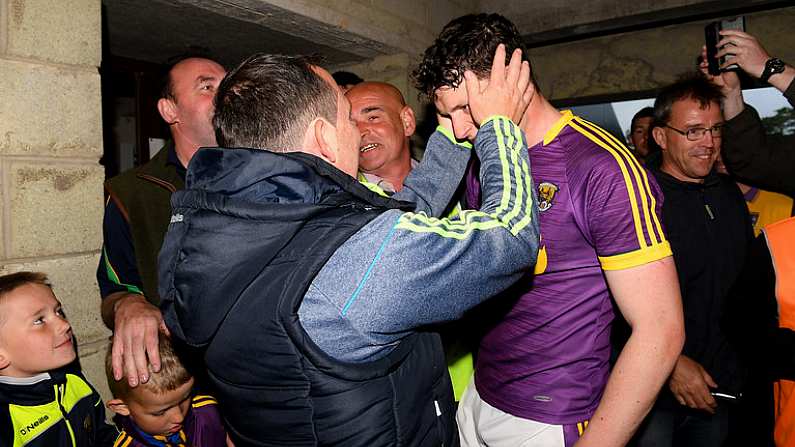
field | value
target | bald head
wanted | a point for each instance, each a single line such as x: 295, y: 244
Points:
x: 386, y: 92
x: 385, y: 123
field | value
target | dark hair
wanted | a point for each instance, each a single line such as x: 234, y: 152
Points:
x: 15, y: 280
x: 466, y: 43
x: 692, y: 85
x: 646, y: 112
x: 268, y: 101
x: 171, y: 376
x: 343, y: 78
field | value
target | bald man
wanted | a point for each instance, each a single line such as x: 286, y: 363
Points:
x: 386, y: 123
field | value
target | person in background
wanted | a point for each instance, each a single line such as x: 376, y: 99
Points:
x: 137, y: 215
x: 45, y: 400
x: 639, y: 132
x: 710, y: 231
x: 750, y: 154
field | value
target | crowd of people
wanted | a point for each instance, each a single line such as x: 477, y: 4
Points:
x: 287, y: 284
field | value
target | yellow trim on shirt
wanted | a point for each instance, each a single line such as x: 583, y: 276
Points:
x: 636, y: 258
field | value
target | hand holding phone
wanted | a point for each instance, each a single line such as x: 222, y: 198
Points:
x: 712, y: 36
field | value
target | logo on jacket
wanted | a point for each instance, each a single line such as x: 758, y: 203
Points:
x: 546, y: 194
x: 33, y: 425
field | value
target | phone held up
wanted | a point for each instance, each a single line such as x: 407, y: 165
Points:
x: 712, y: 37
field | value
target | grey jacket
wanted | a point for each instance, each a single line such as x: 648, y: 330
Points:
x: 404, y: 270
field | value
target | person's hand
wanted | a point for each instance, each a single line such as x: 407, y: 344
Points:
x: 690, y: 384
x: 728, y: 81
x: 744, y: 50
x: 135, y: 342
x: 507, y: 92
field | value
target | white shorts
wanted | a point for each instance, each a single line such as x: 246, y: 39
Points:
x: 480, y: 424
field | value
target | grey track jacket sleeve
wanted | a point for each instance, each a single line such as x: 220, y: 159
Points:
x: 405, y: 270
x: 432, y: 184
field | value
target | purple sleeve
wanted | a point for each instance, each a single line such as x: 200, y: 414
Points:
x: 621, y: 209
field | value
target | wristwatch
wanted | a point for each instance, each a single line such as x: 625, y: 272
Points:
x: 773, y: 66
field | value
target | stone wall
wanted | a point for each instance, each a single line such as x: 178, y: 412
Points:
x: 644, y: 60
x: 50, y: 143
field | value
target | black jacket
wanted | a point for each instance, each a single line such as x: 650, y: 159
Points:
x: 236, y: 263
x: 710, y: 231
x: 756, y: 158
x: 61, y: 410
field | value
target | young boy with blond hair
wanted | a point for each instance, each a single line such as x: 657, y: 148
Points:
x: 44, y: 398
x: 164, y: 411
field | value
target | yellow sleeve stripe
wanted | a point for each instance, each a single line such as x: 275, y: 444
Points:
x: 506, y: 184
x: 509, y: 137
x: 515, y: 143
x: 123, y: 440
x: 635, y: 258
x: 206, y: 402
x: 630, y: 187
x: 640, y: 174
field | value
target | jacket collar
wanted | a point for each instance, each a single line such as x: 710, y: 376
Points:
x: 258, y: 176
x: 711, y: 180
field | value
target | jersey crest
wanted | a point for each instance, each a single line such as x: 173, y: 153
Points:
x: 546, y: 194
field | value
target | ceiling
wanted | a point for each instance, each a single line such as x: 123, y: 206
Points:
x: 158, y: 31
x: 229, y: 30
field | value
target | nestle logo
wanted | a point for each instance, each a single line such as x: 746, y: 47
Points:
x: 32, y: 426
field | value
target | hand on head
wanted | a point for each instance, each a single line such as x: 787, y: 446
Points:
x: 507, y: 92
x: 135, y: 342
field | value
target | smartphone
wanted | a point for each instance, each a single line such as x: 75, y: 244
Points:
x: 711, y: 36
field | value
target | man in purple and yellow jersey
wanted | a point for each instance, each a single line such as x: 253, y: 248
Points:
x: 541, y: 375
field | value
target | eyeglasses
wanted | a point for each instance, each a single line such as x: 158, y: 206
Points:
x: 697, y: 133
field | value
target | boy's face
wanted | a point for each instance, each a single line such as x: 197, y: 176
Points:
x: 156, y: 414
x: 34, y: 334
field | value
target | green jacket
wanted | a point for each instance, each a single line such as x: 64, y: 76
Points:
x: 143, y: 195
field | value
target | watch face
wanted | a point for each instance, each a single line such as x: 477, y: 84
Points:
x: 776, y: 65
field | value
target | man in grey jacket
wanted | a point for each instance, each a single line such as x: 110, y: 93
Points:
x: 308, y: 293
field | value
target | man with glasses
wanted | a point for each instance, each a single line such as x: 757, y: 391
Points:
x: 710, y: 230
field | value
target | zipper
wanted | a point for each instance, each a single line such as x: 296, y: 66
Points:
x: 58, y: 396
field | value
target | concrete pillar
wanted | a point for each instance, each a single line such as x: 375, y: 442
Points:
x: 50, y: 143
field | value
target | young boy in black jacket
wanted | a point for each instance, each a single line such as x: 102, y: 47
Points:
x: 44, y: 398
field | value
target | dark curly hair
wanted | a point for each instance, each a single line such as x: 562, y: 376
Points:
x: 466, y: 43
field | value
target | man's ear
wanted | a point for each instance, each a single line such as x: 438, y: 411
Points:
x: 659, y: 137
x: 168, y: 110
x: 118, y: 407
x: 408, y: 120
x: 325, y: 135
x: 4, y: 360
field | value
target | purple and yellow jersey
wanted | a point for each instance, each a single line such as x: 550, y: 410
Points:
x: 547, y: 358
